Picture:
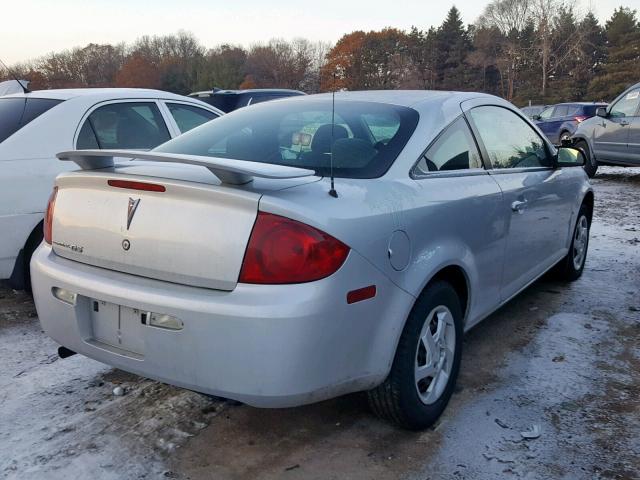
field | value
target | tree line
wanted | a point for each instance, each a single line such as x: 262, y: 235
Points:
x: 539, y: 51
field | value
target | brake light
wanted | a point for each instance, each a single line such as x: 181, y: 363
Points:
x: 131, y: 185
x: 580, y: 118
x: 282, y: 250
x: 48, y: 216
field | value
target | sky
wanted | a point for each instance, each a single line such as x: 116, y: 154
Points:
x: 55, y: 25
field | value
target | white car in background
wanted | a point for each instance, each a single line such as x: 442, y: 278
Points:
x: 34, y: 126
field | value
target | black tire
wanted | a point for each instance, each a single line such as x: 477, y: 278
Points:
x: 398, y: 399
x: 567, y: 269
x: 591, y: 165
x: 564, y: 136
x: 34, y: 241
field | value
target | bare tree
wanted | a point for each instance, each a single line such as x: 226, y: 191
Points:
x: 509, y: 17
x: 545, y: 13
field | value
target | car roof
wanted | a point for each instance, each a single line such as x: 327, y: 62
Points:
x: 580, y: 104
x: 248, y: 90
x: 99, y: 94
x: 405, y: 98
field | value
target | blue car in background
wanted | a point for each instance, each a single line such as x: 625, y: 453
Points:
x: 559, y: 122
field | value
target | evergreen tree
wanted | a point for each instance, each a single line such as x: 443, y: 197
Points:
x: 452, y: 45
x: 591, y: 56
x: 622, y: 65
x: 567, y: 42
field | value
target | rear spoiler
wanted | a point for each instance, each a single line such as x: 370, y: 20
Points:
x: 234, y: 172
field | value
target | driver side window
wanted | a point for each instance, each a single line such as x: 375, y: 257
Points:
x: 627, y: 106
x: 546, y: 113
x: 509, y: 140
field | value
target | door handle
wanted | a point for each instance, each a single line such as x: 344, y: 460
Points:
x: 518, y: 206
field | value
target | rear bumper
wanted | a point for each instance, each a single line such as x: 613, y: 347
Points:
x: 267, y: 346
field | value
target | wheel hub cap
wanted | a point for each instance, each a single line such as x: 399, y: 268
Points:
x: 580, y: 241
x: 434, y: 354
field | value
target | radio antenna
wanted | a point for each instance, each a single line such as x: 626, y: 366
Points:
x: 332, y: 191
x: 22, y: 85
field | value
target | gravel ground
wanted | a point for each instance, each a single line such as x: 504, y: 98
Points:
x: 561, y: 358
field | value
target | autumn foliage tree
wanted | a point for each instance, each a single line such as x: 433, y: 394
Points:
x: 541, y: 51
x: 138, y: 72
x: 367, y: 60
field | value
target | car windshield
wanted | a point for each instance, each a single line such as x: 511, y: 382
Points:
x: 364, y: 138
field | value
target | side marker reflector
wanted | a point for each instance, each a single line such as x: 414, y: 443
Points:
x: 361, y: 294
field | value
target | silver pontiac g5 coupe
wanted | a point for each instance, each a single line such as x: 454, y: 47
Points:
x: 311, y: 247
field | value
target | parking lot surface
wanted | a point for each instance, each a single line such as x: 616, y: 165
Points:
x: 561, y: 361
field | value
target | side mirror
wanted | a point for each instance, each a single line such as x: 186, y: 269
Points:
x: 602, y: 112
x: 536, y: 117
x: 570, y: 157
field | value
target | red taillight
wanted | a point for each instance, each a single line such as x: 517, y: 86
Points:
x: 147, y: 187
x: 48, y: 216
x: 580, y: 118
x: 282, y: 250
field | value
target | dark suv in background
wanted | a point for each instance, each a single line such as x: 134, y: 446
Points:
x: 229, y: 100
x: 559, y: 122
x: 612, y: 137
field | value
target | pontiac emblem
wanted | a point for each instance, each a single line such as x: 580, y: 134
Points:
x: 131, y: 210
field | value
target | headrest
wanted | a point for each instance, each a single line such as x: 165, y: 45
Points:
x: 321, y: 142
x: 352, y: 153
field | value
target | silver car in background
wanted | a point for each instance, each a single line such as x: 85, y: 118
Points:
x: 612, y: 137
x: 224, y: 262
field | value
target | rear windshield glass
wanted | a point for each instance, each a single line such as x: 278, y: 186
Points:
x: 590, y: 109
x: 15, y: 113
x: 225, y: 102
x: 364, y: 139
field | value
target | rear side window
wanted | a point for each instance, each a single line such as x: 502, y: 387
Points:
x: 15, y: 113
x: 455, y: 149
x: 302, y: 134
x: 135, y: 125
x: 509, y: 140
x: 188, y: 117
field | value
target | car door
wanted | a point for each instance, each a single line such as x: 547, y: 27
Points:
x: 537, y: 198
x: 545, y: 119
x: 459, y: 204
x: 25, y: 181
x: 611, y: 134
x: 633, y: 142
x: 552, y: 127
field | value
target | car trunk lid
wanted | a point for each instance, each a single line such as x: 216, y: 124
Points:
x: 185, y: 232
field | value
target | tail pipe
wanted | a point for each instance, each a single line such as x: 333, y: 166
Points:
x: 64, y: 352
